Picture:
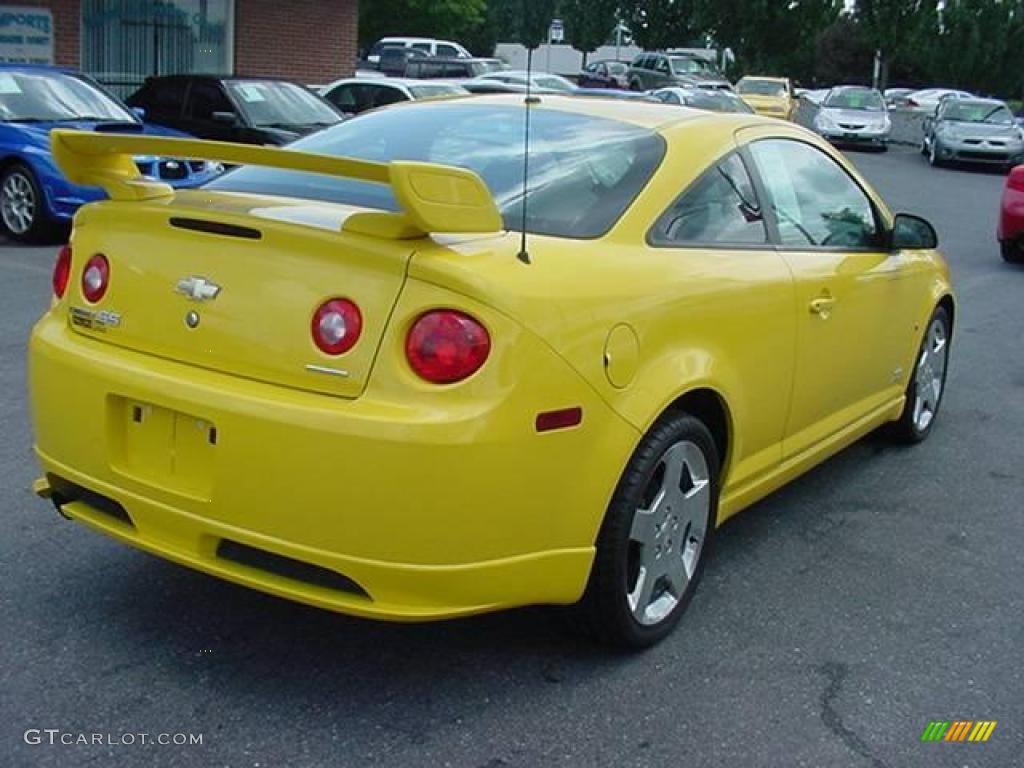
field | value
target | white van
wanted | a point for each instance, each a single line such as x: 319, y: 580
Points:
x: 446, y: 49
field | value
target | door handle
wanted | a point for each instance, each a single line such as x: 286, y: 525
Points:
x: 822, y: 306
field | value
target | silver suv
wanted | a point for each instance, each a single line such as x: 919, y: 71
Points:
x: 660, y: 70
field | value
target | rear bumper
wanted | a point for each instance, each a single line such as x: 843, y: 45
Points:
x: 429, y: 515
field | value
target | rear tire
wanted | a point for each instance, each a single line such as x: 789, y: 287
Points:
x: 927, y: 381
x: 655, y: 537
x: 1012, y: 252
x: 23, y: 207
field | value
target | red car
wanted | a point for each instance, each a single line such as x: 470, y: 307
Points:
x: 1011, y: 217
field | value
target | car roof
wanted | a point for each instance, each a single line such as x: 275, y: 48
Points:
x: 644, y: 114
x: 404, y: 82
x: 39, y: 68
x: 521, y: 73
x: 766, y: 78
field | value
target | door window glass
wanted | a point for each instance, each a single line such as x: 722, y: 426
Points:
x: 385, y: 94
x: 720, y: 208
x: 205, y: 98
x: 814, y: 200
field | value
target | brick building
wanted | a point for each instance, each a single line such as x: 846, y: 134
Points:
x: 121, y: 42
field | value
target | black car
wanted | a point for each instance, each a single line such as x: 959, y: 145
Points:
x: 394, y: 60
x: 248, y: 110
x: 605, y: 74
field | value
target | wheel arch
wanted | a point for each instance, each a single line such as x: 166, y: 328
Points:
x: 947, y: 302
x: 710, y: 406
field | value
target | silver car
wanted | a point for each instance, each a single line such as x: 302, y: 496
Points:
x: 853, y: 114
x: 974, y: 131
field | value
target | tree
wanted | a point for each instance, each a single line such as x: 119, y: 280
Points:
x: 842, y: 54
x: 588, y: 23
x: 660, y: 24
x: 769, y: 37
x: 891, y: 27
x: 429, y: 18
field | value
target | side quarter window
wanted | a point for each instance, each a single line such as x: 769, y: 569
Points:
x: 720, y: 208
x: 815, y: 202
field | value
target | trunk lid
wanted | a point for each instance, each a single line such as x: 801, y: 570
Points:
x: 272, y: 261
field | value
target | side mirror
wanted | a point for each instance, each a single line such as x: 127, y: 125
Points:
x: 913, y: 233
x: 228, y: 118
x: 139, y: 112
x: 926, y: 124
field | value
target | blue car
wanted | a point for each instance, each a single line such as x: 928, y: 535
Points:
x: 36, y: 201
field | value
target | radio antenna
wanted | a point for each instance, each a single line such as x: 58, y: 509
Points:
x: 524, y: 254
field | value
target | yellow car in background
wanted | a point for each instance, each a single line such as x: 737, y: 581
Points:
x: 338, y: 374
x: 769, y: 96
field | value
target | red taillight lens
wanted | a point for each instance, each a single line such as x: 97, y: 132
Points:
x: 336, y: 326
x: 62, y: 272
x: 95, y: 278
x: 1016, y: 179
x: 445, y: 346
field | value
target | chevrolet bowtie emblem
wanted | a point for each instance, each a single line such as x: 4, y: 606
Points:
x: 198, y: 289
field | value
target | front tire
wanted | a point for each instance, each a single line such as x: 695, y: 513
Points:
x: 927, y: 381
x: 1012, y: 252
x: 656, y: 536
x: 22, y: 206
x: 933, y: 155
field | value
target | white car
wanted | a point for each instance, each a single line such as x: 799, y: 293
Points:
x: 443, y: 48
x: 814, y: 96
x: 928, y: 99
x: 539, y: 80
x: 353, y: 95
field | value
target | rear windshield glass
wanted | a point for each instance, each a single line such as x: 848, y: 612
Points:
x: 584, y: 171
x: 761, y: 87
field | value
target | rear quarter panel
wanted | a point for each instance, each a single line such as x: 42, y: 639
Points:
x: 702, y: 318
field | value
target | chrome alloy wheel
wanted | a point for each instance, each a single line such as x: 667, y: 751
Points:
x: 668, y: 533
x: 18, y: 203
x: 930, y: 374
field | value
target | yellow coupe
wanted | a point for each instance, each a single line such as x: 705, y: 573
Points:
x: 768, y: 96
x: 336, y: 375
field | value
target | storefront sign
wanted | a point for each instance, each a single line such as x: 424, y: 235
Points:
x: 26, y: 35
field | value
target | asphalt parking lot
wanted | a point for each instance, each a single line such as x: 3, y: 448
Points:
x: 836, y: 619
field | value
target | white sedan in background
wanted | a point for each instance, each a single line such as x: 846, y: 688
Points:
x: 354, y: 95
x: 928, y: 99
x: 542, y: 81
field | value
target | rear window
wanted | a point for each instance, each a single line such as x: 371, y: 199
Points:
x: 761, y: 87
x: 584, y: 171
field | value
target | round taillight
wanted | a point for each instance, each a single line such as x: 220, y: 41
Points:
x: 95, y: 278
x: 445, y: 346
x: 62, y: 272
x: 336, y: 326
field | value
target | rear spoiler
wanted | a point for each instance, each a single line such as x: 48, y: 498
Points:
x: 433, y: 198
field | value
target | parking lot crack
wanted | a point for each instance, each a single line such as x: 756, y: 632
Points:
x: 835, y: 674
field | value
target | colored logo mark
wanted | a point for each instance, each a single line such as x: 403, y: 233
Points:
x: 958, y: 730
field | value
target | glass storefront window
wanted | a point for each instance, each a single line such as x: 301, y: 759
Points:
x: 126, y: 41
